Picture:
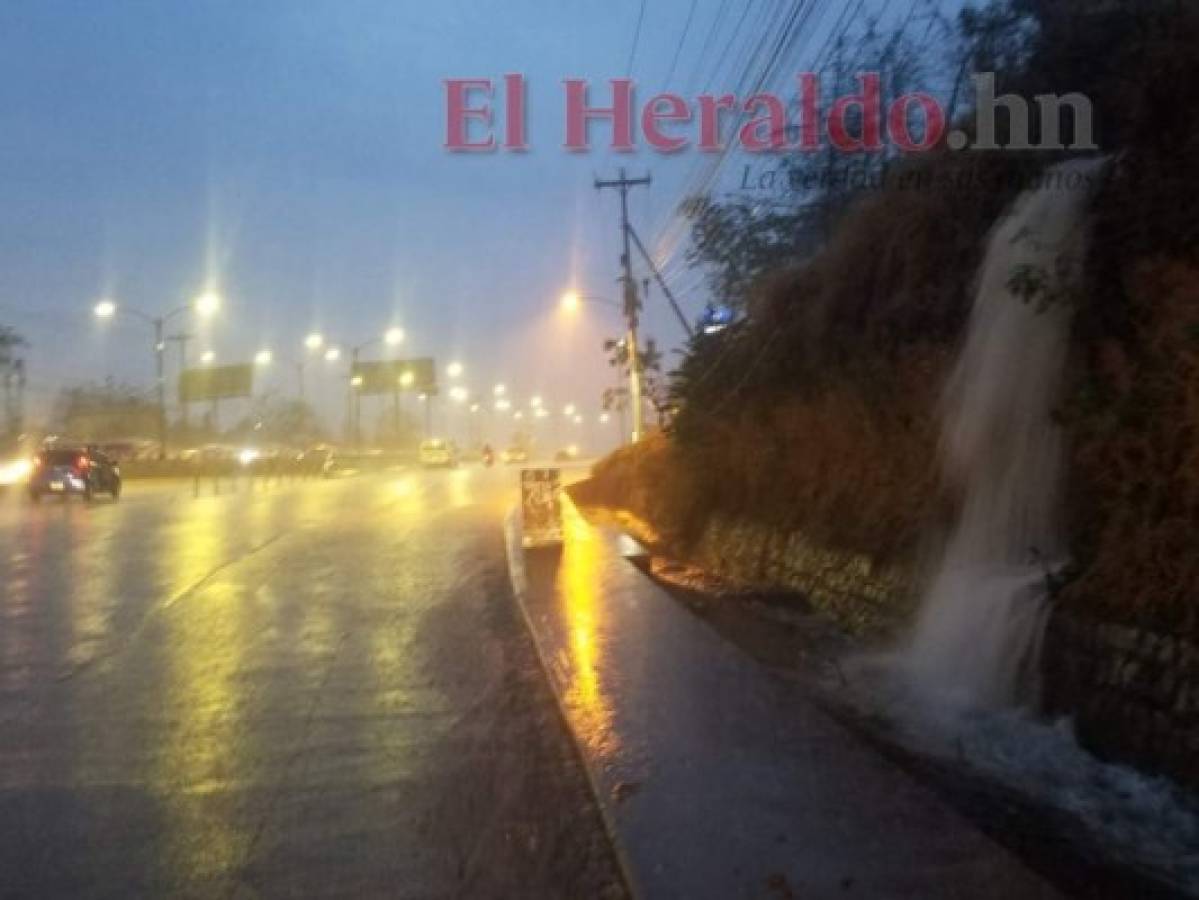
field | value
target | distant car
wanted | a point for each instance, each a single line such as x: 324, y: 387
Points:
x: 437, y: 453
x: 78, y: 470
x: 319, y: 460
x: 515, y: 455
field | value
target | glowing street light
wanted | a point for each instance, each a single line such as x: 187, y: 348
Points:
x: 204, y: 305
x: 393, y: 337
x: 314, y: 341
x: 263, y: 358
x: 459, y: 394
x: 207, y: 357
x: 207, y: 304
x: 499, y: 390
x: 571, y: 301
x: 333, y: 354
x: 454, y: 369
x: 569, y: 409
x: 407, y: 378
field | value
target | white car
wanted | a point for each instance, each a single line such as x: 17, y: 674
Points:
x: 437, y: 453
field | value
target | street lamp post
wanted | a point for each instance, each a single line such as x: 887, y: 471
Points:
x: 571, y: 301
x: 205, y: 305
x: 393, y: 337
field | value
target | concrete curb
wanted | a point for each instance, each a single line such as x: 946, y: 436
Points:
x: 513, y: 550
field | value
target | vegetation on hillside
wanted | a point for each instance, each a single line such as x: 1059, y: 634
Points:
x: 817, y: 410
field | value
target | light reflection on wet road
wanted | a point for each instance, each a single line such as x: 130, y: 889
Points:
x: 317, y: 689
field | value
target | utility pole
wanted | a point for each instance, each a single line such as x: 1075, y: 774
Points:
x: 181, y: 340
x: 160, y: 384
x: 354, y: 401
x: 632, y: 304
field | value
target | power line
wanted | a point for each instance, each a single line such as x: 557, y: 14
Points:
x: 699, y: 61
x: 636, y: 39
x: 679, y: 48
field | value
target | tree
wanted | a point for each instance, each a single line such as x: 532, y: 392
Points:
x: 105, y: 411
x: 807, y: 193
x: 282, y: 420
x: 12, y: 372
x: 654, y: 387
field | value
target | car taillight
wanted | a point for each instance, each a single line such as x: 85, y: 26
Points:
x: 82, y: 463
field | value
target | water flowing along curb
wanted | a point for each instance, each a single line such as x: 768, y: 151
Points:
x: 516, y: 575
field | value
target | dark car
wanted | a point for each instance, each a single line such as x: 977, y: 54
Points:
x: 78, y: 470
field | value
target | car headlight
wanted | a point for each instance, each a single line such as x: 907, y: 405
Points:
x: 15, y: 472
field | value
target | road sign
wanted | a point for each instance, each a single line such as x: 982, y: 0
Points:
x: 540, y: 507
x: 215, y: 383
x: 389, y: 375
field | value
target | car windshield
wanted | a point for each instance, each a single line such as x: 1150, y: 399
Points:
x: 63, y: 457
x: 597, y: 449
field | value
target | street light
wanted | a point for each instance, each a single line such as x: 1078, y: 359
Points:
x: 314, y: 341
x: 407, y: 378
x: 263, y: 357
x: 459, y: 394
x: 333, y: 354
x: 391, y: 337
x: 499, y: 390
x: 205, y: 305
x: 454, y: 369
x: 207, y: 357
x: 569, y: 410
x: 572, y: 300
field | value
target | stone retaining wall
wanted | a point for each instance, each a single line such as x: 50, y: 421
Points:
x: 1133, y: 692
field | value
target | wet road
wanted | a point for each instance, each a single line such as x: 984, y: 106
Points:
x: 320, y: 689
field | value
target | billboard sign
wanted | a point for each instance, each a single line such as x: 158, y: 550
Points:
x: 386, y: 376
x: 215, y: 383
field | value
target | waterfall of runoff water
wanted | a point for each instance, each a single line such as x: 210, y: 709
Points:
x: 977, y: 639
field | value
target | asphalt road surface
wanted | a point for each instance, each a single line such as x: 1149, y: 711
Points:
x: 319, y: 690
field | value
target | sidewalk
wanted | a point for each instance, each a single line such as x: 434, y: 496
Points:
x: 717, y: 779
